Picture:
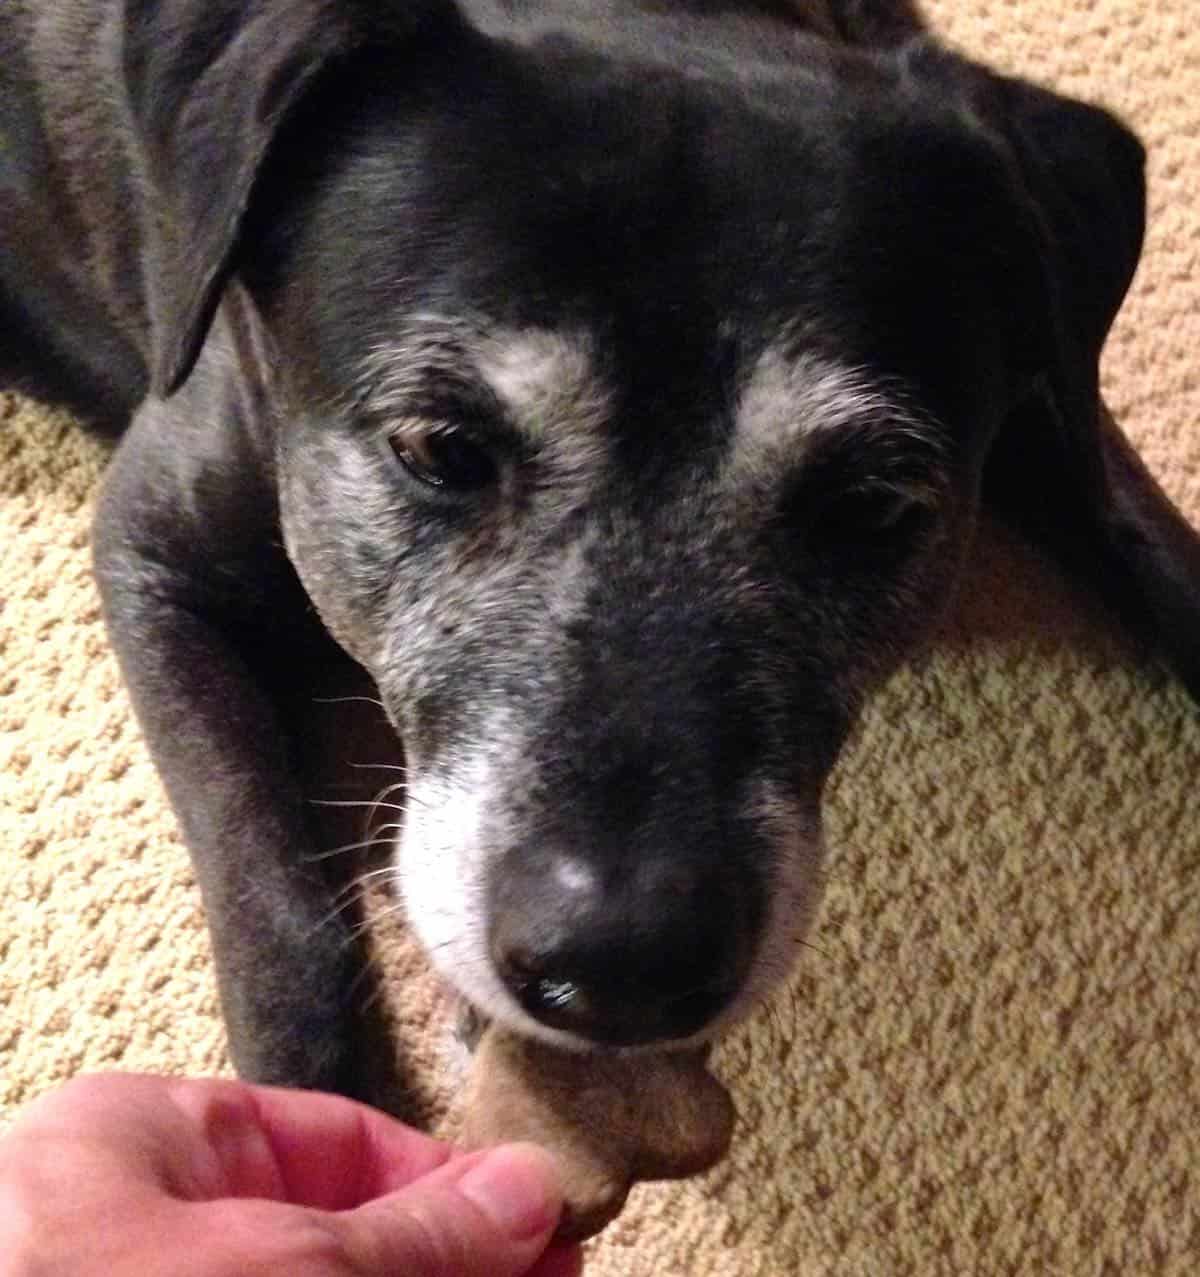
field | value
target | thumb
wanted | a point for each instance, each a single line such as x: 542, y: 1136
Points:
x: 484, y: 1215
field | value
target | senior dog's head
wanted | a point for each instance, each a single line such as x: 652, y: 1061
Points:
x: 640, y: 369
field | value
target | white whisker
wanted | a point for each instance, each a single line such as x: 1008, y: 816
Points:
x: 355, y: 802
x: 384, y: 834
x: 347, y: 700
x: 351, y: 895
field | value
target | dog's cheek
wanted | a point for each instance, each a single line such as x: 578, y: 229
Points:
x: 889, y: 617
x: 350, y: 536
x: 471, y: 647
x: 788, y: 821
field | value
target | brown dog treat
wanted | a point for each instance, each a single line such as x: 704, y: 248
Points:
x: 610, y: 1120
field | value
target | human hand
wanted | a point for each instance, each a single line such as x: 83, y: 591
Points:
x: 136, y: 1176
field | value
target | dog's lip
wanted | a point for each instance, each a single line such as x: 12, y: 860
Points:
x: 613, y: 1026
x: 471, y: 1021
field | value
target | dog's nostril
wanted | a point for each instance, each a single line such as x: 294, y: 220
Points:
x: 556, y: 995
x: 536, y: 991
x: 613, y: 990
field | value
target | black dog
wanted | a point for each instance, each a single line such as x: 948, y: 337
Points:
x: 610, y: 389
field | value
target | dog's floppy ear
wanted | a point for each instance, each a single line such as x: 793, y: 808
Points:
x: 1060, y: 465
x: 209, y: 84
x: 875, y: 23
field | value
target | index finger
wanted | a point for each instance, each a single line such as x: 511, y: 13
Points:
x: 304, y: 1147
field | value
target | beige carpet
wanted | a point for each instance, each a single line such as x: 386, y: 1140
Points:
x: 992, y: 1065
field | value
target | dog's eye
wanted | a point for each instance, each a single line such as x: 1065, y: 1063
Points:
x: 879, y: 514
x: 442, y: 456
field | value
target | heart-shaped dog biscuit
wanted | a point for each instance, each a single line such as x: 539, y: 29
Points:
x: 611, y: 1120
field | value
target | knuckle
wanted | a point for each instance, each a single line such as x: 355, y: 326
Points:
x: 264, y: 1240
x: 411, y: 1237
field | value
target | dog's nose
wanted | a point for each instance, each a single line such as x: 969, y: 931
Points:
x: 622, y: 964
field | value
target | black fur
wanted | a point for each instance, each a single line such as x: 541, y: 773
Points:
x: 219, y: 218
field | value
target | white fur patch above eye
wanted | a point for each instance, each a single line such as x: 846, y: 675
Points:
x: 548, y: 382
x: 788, y: 401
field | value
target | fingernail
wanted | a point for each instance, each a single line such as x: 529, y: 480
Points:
x: 517, y: 1188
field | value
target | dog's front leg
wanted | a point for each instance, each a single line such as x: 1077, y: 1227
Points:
x: 214, y: 636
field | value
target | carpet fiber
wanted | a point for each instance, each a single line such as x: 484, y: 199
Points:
x: 990, y: 1061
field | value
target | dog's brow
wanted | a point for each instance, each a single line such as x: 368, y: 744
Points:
x: 428, y: 358
x: 547, y: 381
x: 544, y: 381
x: 792, y: 407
